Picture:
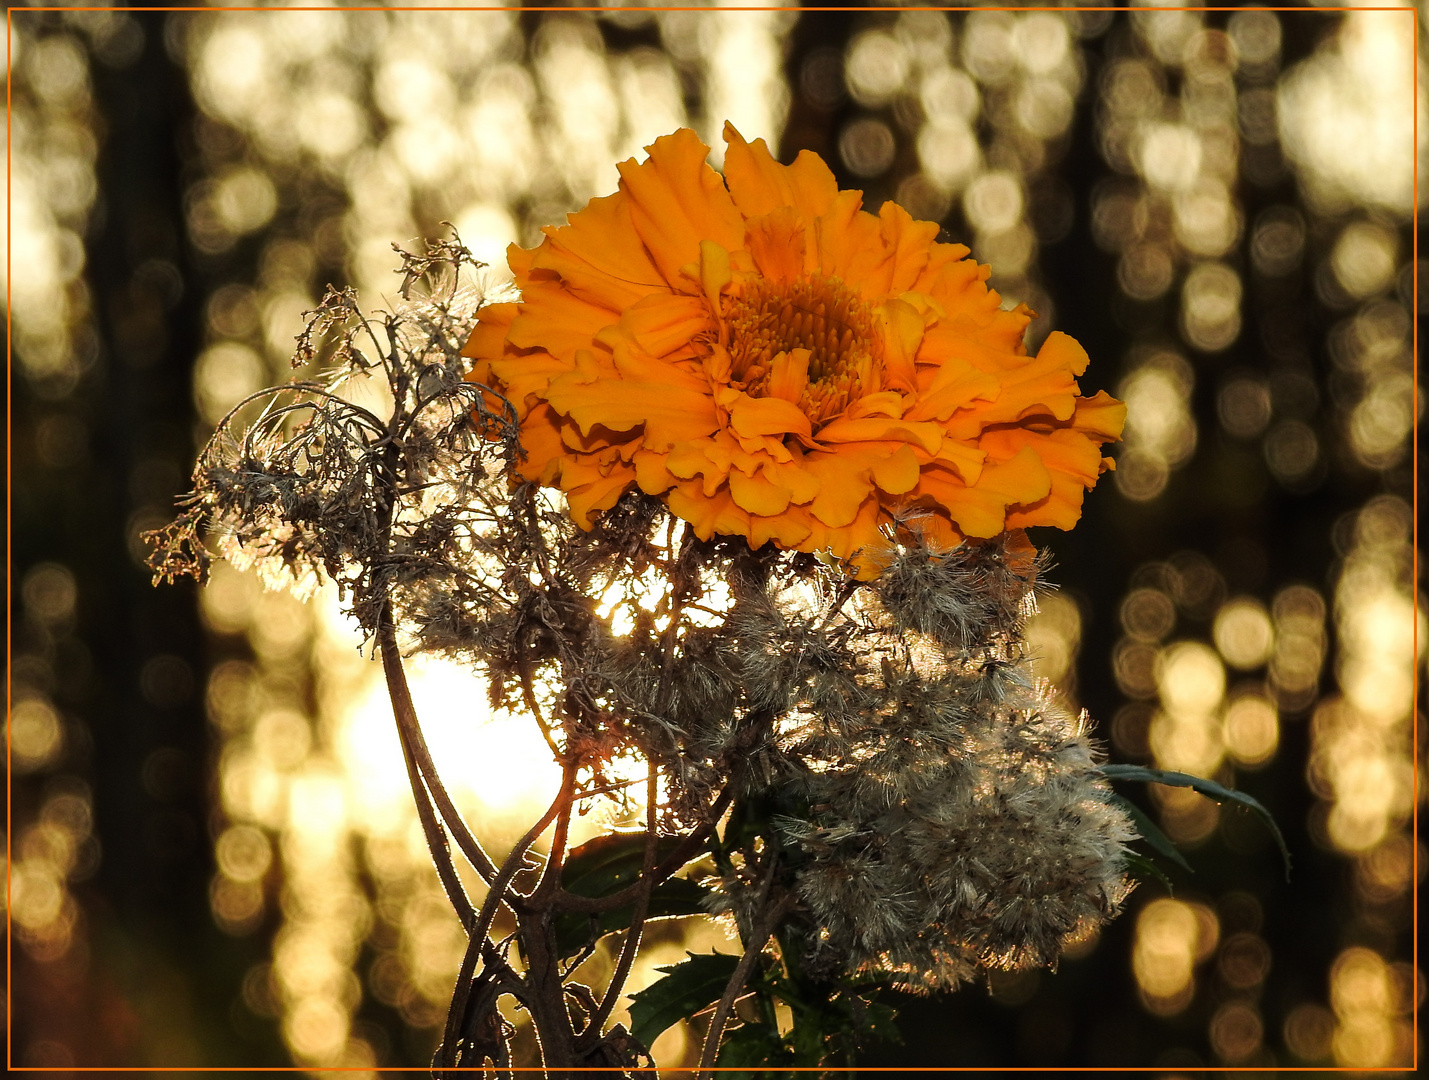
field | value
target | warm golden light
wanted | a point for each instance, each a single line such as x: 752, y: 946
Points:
x: 1244, y: 634
x: 1172, y: 937
x: 1251, y: 729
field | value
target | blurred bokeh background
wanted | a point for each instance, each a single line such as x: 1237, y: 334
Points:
x: 214, y: 858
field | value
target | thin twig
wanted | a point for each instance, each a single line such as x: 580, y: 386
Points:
x: 759, y: 935
x: 437, y: 840
x: 477, y: 942
x: 683, y: 853
x: 411, y: 731
x: 631, y: 944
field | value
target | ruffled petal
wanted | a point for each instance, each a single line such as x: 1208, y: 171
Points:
x: 552, y: 318
x: 665, y: 324
x: 765, y: 416
x: 541, y: 440
x: 789, y: 375
x: 599, y: 494
x: 758, y: 494
x: 778, y: 243
x: 844, y: 486
x: 676, y: 200
x: 878, y: 429
x: 525, y: 378
x: 897, y: 473
x: 1101, y: 418
x: 599, y: 255
x: 492, y: 325
x: 669, y: 403
x: 760, y: 184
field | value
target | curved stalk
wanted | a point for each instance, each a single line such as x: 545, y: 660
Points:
x: 413, y: 739
x: 477, y: 943
x: 761, y: 932
x: 683, y: 853
x: 591, y: 1035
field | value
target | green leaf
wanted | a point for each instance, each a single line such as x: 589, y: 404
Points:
x: 752, y: 1047
x: 1209, y: 788
x: 606, y: 865
x: 1146, y: 868
x: 1151, y: 832
x: 687, y: 988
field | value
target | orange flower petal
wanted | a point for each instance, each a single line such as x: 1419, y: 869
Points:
x: 676, y: 201
x: 758, y: 494
x: 600, y: 494
x: 1101, y: 417
x: 1073, y: 464
x: 541, y: 440
x: 789, y: 375
x: 556, y: 320
x: 766, y: 416
x: 850, y: 246
x: 784, y: 530
x: 492, y: 325
x: 975, y: 512
x: 524, y: 379
x: 859, y: 541
x: 844, y: 487
x: 877, y: 429
x: 909, y: 244
x: 903, y: 328
x: 897, y: 473
x: 665, y: 323
x: 778, y: 243
x: 647, y: 393
x: 708, y: 514
x: 599, y: 255
x: 760, y: 184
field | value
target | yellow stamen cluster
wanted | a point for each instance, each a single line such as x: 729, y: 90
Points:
x: 815, y: 313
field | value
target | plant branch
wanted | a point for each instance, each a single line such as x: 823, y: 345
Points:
x: 477, y: 942
x: 591, y: 1034
x: 416, y: 745
x: 683, y: 853
x: 759, y: 935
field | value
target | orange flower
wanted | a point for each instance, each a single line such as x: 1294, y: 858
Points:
x: 776, y: 363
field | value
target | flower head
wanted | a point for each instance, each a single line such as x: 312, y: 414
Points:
x: 778, y: 364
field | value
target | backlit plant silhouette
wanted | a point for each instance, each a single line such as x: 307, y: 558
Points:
x: 733, y: 489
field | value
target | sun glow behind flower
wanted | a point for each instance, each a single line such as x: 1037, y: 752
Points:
x: 401, y: 128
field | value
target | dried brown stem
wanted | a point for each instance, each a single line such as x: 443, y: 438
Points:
x: 478, y: 943
x: 759, y: 935
x: 683, y: 853
x: 416, y: 745
x: 591, y: 1034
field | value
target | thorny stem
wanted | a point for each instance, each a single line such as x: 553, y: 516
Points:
x: 759, y: 935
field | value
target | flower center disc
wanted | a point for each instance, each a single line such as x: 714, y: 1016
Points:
x: 814, y: 313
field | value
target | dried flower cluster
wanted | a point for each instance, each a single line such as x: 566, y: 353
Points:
x: 905, y: 796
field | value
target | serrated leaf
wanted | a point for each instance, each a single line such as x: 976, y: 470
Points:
x: 1209, y: 788
x: 606, y: 865
x: 1151, y: 832
x: 1147, y: 868
x: 687, y: 988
